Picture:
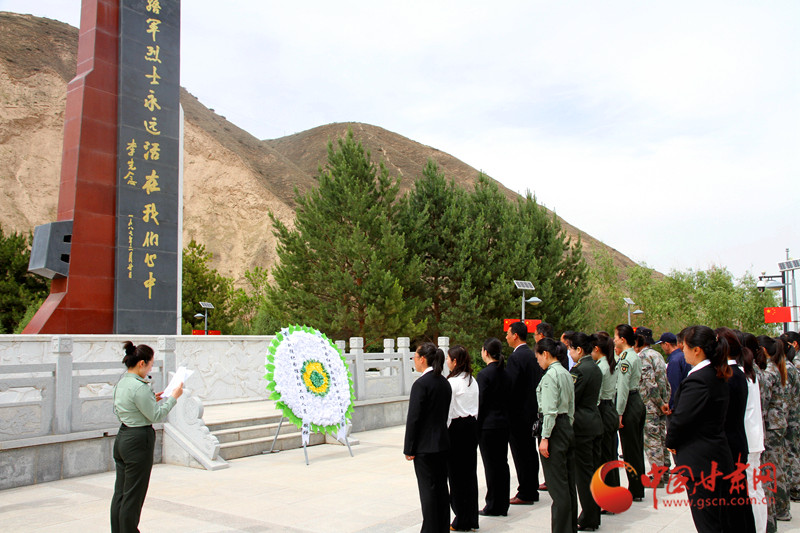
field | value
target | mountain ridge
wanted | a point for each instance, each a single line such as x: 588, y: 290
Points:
x: 232, y: 179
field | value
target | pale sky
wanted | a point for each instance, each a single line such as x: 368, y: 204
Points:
x: 668, y: 130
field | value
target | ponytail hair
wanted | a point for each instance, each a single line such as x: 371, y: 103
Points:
x: 463, y: 362
x: 134, y: 354
x: 625, y: 332
x: 554, y: 348
x: 715, y: 349
x: 577, y: 339
x: 433, y: 356
x: 747, y: 357
x: 605, y: 344
x: 494, y: 348
x: 773, y: 348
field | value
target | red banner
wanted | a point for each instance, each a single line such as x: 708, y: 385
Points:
x: 777, y: 314
x: 210, y: 332
x: 531, y: 323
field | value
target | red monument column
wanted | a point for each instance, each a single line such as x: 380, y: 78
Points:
x: 83, y: 302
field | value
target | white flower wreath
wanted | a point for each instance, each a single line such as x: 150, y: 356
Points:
x: 308, y: 378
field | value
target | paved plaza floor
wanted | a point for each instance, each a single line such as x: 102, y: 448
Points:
x: 373, y: 491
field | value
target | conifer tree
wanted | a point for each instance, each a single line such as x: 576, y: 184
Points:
x: 344, y: 267
x: 433, y: 218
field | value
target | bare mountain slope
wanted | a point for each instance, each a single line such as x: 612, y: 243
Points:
x: 232, y: 180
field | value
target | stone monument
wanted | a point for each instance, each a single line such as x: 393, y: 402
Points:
x: 113, y: 253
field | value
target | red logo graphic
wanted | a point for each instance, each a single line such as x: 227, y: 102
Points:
x: 612, y: 499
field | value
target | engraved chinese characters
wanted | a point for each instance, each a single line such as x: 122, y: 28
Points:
x: 148, y: 167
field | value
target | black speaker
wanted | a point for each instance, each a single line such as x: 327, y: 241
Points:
x: 50, y: 249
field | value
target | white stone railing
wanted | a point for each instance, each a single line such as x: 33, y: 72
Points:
x: 52, y: 385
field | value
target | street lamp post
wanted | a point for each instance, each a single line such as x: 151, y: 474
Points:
x: 629, y: 303
x: 533, y: 300
x: 206, y: 306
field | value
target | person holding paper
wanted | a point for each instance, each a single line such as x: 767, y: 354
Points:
x: 137, y: 409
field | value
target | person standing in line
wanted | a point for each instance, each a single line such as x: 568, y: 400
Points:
x: 426, y: 440
x: 735, y: 432
x: 567, y: 362
x: 775, y: 409
x: 587, y: 426
x: 753, y: 426
x: 630, y: 408
x: 525, y: 375
x: 603, y: 354
x: 543, y: 331
x: 556, y: 395
x: 793, y: 422
x: 494, y: 389
x: 137, y: 409
x: 696, y: 433
x: 677, y: 367
x: 462, y: 424
x: 655, y: 391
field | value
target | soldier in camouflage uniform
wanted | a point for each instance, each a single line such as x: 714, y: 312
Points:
x: 655, y: 391
x: 793, y: 422
x: 774, y: 408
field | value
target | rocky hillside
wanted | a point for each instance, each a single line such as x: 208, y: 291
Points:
x: 231, y: 179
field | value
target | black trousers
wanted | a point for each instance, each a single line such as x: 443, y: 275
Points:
x: 462, y: 471
x: 559, y: 475
x: 431, y: 470
x: 494, y: 453
x: 587, y: 460
x: 524, y: 450
x: 608, y: 441
x: 631, y: 436
x: 133, y: 456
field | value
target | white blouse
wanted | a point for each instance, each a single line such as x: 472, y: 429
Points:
x: 464, y: 399
x: 753, y: 421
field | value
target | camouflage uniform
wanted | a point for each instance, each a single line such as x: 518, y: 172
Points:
x: 775, y: 410
x: 655, y: 390
x: 793, y: 431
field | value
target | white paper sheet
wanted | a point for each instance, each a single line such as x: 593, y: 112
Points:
x: 179, y: 377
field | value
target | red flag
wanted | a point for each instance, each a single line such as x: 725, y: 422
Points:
x: 531, y: 323
x: 777, y: 314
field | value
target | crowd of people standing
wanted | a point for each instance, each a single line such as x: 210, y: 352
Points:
x: 723, y: 401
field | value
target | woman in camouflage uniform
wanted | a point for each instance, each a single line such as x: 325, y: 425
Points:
x: 793, y: 421
x: 775, y: 412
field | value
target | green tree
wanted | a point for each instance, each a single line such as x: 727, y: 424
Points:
x: 433, y: 219
x: 344, y: 267
x: 606, y: 284
x: 20, y: 290
x: 710, y: 297
x: 202, y: 283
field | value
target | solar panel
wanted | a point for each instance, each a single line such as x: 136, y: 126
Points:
x: 524, y: 285
x: 206, y: 305
x: 792, y: 264
x: 629, y: 301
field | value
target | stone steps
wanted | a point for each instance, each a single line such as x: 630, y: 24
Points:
x: 243, y: 436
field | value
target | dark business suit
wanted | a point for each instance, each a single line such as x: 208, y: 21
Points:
x: 737, y: 438
x: 525, y: 374
x: 696, y: 431
x: 588, y: 429
x: 494, y: 392
x: 427, y: 440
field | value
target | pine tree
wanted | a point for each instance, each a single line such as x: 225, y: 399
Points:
x: 344, y: 267
x: 201, y: 282
x: 433, y: 218
x: 19, y: 289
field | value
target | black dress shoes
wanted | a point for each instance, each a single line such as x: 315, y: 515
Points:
x: 483, y: 512
x: 586, y: 528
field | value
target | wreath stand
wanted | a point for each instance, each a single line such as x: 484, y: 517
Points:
x: 305, y: 447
